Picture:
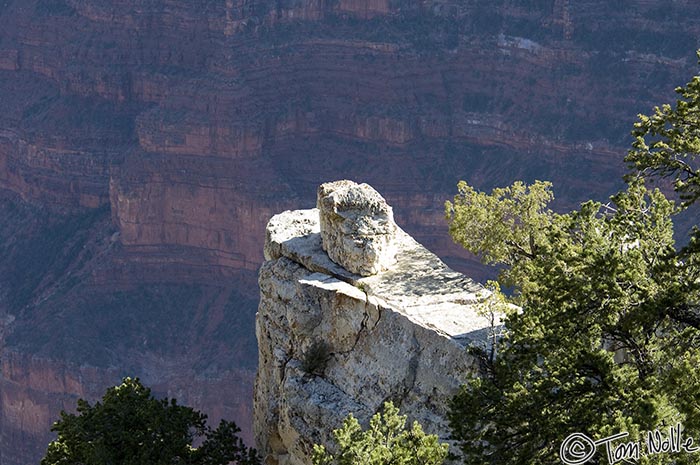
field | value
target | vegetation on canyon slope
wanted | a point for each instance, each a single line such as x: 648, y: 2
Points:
x: 130, y: 426
x: 608, y: 339
x: 385, y: 442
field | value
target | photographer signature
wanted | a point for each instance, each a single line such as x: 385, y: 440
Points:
x: 578, y: 448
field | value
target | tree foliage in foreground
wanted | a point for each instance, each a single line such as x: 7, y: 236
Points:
x: 608, y: 339
x: 386, y: 442
x: 131, y: 427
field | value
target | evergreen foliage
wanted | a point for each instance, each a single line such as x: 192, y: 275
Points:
x: 608, y: 339
x: 131, y: 427
x: 667, y: 143
x: 385, y: 442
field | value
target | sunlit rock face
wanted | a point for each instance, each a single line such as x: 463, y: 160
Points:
x: 154, y: 139
x: 399, y: 334
x: 357, y: 227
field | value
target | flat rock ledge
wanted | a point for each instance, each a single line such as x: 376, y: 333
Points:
x: 396, y: 335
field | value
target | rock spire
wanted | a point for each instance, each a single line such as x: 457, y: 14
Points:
x: 333, y: 341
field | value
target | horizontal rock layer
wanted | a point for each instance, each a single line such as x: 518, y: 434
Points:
x: 193, y: 122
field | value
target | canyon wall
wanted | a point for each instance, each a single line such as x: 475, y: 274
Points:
x: 145, y: 144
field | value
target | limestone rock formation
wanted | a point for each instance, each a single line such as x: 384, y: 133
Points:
x: 397, y: 335
x: 183, y: 126
x: 357, y: 227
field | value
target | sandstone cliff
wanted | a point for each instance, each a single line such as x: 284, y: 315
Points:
x: 144, y: 144
x: 399, y: 334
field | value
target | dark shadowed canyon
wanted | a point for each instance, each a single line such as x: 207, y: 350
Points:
x: 145, y: 143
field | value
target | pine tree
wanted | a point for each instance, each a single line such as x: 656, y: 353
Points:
x: 608, y: 338
x: 131, y: 427
x: 385, y: 442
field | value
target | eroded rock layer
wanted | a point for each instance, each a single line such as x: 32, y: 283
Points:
x: 144, y: 144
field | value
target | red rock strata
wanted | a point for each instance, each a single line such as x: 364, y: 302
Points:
x: 144, y: 144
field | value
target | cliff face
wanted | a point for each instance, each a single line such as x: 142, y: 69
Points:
x: 83, y: 323
x: 399, y: 335
x: 144, y: 144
